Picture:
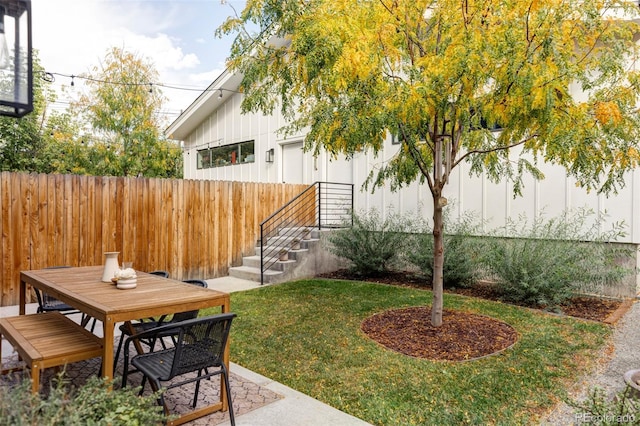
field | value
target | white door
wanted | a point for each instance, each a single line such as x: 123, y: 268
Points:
x: 292, y: 163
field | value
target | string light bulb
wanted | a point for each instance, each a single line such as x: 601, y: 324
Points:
x: 220, y: 94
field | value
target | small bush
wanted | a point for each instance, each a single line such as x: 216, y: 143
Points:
x: 373, y: 245
x: 544, y: 263
x: 600, y: 411
x: 92, y: 404
x: 460, y: 251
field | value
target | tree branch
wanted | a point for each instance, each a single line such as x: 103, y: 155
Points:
x: 486, y: 151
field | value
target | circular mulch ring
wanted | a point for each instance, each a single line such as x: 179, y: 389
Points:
x: 463, y: 336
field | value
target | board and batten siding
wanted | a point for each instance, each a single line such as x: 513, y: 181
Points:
x: 494, y: 203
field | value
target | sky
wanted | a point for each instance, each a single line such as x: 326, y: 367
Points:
x: 176, y: 36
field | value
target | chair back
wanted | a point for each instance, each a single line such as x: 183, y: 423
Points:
x: 183, y: 316
x: 45, y: 301
x: 163, y: 274
x: 201, y: 343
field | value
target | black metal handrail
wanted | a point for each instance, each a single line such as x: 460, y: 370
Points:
x: 321, y: 205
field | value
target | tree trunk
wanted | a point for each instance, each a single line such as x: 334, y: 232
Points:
x: 438, y: 261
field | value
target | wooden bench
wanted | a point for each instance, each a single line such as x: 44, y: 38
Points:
x: 48, y: 340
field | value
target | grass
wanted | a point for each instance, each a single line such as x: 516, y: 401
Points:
x: 306, y: 335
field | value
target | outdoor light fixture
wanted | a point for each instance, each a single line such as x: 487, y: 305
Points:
x: 16, y: 67
x: 269, y: 155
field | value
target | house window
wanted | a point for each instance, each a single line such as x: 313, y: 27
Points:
x: 227, y: 155
x: 395, y: 139
x: 204, y: 159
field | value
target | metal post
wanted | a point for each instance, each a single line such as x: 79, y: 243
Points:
x: 261, y: 254
x: 319, y: 205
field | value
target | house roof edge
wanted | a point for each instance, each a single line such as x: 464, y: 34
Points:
x: 204, y: 105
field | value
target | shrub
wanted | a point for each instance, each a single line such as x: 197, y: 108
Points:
x: 544, y: 263
x: 91, y: 404
x: 598, y: 410
x: 460, y: 251
x: 372, y: 245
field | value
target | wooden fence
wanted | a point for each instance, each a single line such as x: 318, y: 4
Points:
x: 191, y: 228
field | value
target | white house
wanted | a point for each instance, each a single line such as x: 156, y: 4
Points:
x: 223, y: 144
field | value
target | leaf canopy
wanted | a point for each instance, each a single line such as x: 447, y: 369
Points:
x: 556, y: 77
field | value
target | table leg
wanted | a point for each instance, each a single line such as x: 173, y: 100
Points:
x: 23, y: 297
x: 107, y: 360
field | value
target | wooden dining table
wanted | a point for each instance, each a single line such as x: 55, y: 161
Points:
x: 82, y: 288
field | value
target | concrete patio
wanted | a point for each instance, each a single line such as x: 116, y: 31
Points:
x: 257, y: 400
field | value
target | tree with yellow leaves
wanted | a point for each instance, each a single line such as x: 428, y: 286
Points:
x: 556, y: 77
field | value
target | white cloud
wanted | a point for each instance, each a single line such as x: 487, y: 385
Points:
x: 72, y: 36
x: 205, y: 77
x: 161, y: 49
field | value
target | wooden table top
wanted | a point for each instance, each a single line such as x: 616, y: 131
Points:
x: 82, y: 288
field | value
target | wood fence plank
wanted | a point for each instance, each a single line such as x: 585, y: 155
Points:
x: 21, y: 198
x: 68, y: 221
x: 178, y: 247
x: 82, y: 225
x: 98, y: 209
x: 153, y: 220
x: 166, y: 227
x: 38, y: 231
x: 34, y: 227
x: 215, y: 202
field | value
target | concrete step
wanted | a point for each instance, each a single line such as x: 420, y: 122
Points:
x: 253, y: 274
x: 298, y: 231
x: 287, y: 241
x: 274, y: 248
x: 291, y: 233
x: 254, y: 260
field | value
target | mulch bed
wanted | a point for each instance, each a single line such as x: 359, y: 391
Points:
x: 462, y: 336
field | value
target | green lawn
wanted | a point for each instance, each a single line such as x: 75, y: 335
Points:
x: 306, y: 334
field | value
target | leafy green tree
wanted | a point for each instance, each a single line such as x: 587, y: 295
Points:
x: 21, y: 139
x: 441, y: 74
x: 122, y: 108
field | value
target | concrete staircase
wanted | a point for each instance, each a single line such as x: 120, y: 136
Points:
x: 310, y: 259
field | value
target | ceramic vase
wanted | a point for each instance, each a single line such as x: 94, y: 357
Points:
x: 110, y: 265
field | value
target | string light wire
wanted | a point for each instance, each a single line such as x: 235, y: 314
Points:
x: 50, y: 77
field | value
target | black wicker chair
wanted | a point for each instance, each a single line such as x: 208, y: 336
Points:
x: 200, y: 347
x: 144, y: 325
x: 48, y: 303
x: 163, y: 274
